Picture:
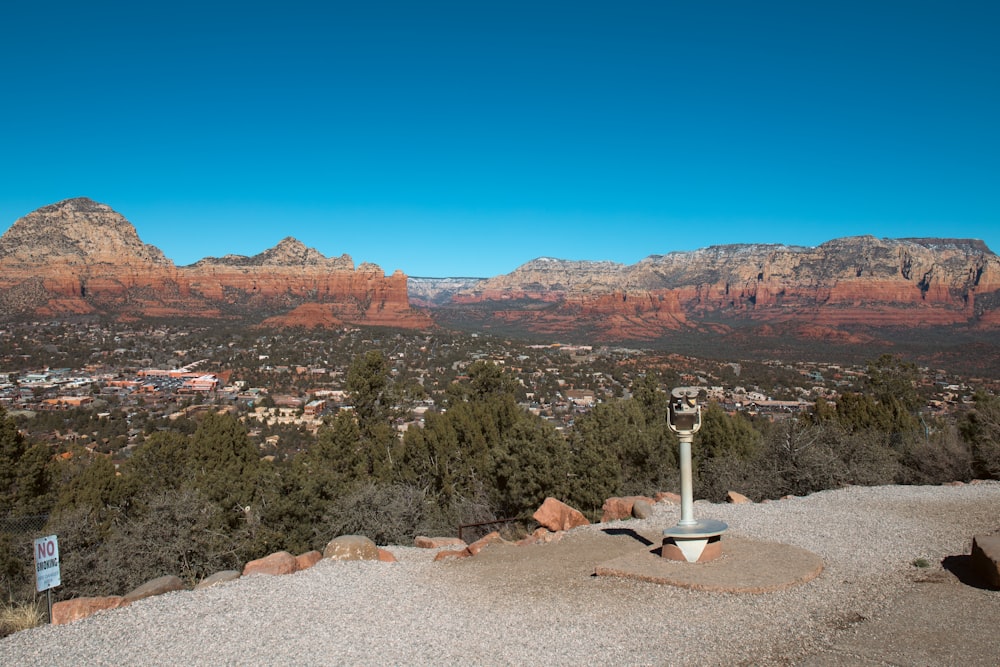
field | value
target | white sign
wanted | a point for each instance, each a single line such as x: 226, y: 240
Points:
x: 46, y: 563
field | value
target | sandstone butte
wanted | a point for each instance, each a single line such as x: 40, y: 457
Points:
x: 80, y: 257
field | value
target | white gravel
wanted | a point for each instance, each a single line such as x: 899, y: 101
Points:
x: 420, y: 612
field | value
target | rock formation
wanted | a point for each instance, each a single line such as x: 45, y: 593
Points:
x: 844, y: 282
x: 79, y: 257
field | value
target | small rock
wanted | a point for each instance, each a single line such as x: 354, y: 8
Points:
x: 480, y: 544
x: 351, y: 547
x: 614, y: 509
x: 622, y: 508
x: 68, y: 611
x: 452, y: 553
x: 668, y: 497
x: 540, y: 536
x: 437, y: 542
x: 737, y: 498
x: 556, y: 515
x: 218, y: 578
x: 642, y: 508
x: 280, y: 562
x: 308, y: 559
x: 386, y: 556
x: 158, y: 586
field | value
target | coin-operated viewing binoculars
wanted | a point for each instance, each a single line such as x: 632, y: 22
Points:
x: 689, y: 538
x: 685, y: 413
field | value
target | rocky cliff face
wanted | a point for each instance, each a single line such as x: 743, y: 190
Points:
x: 78, y: 257
x: 860, y: 280
x: 430, y: 292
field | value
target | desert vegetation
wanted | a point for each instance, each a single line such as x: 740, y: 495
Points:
x: 196, y: 496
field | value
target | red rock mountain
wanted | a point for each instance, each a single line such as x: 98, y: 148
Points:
x: 79, y: 257
x: 860, y: 281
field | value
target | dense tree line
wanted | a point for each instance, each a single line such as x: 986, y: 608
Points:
x: 199, y: 497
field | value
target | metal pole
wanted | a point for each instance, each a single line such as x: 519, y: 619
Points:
x: 687, y: 503
x: 49, y: 592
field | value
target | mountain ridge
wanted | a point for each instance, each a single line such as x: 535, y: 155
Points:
x: 79, y: 258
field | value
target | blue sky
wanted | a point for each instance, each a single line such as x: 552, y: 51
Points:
x: 466, y: 138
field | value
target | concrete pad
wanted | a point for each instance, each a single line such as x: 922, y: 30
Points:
x: 937, y: 623
x: 746, y: 566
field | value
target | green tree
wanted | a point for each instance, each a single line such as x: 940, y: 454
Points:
x: 370, y: 391
x: 723, y: 435
x: 222, y: 463
x: 97, y: 489
x: 530, y: 464
x: 485, y: 448
x: 26, y: 479
x: 487, y: 379
x: 890, y: 379
x: 158, y: 464
x: 631, y: 445
x: 980, y: 427
x: 314, y: 480
x: 368, y: 385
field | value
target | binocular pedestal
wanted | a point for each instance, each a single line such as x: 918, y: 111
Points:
x: 690, y: 540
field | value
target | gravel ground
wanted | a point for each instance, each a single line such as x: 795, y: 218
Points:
x: 541, y: 605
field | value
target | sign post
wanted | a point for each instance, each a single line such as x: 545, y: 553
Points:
x: 47, y: 574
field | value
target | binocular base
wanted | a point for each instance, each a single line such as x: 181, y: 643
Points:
x: 698, y: 542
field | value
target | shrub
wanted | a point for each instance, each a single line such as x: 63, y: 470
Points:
x: 169, y: 532
x: 942, y: 457
x: 981, y: 429
x: 176, y: 532
x: 17, y: 616
x: 385, y: 513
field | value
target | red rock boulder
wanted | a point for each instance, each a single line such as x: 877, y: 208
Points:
x: 986, y: 558
x: 437, y: 542
x: 736, y: 498
x: 280, y: 562
x: 68, y: 611
x: 615, y: 509
x: 485, y: 541
x: 308, y: 559
x: 668, y: 497
x: 556, y: 515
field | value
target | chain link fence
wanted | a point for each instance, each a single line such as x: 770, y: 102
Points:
x: 17, y: 536
x: 15, y: 525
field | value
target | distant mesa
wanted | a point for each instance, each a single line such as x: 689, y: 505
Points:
x: 857, y: 281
